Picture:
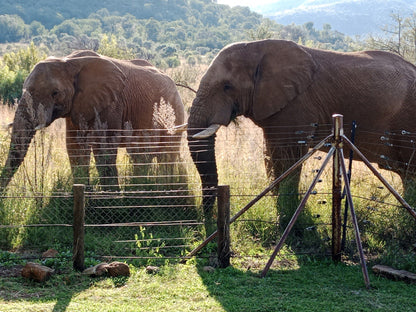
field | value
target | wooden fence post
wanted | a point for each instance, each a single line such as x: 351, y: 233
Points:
x: 78, y: 226
x: 223, y: 224
x: 338, y: 131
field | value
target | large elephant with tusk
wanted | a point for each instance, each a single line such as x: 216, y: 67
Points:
x: 284, y: 87
x: 107, y: 103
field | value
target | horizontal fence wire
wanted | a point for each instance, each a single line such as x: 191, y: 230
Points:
x: 143, y: 192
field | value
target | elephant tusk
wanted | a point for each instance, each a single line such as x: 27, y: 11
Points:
x: 210, y: 131
x: 178, y: 128
x: 182, y: 127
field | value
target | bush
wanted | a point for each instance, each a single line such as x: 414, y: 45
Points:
x: 173, y: 61
x: 14, y: 70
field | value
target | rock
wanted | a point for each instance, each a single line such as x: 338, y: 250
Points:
x: 50, y: 253
x: 113, y: 269
x: 37, y: 272
x: 97, y: 270
x: 118, y: 269
x: 208, y: 269
x: 152, y: 269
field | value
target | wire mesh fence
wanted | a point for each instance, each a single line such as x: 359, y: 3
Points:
x: 153, y: 210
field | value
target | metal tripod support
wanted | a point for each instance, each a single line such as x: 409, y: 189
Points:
x: 337, y: 140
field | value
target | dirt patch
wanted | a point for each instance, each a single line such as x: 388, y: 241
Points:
x: 12, y: 271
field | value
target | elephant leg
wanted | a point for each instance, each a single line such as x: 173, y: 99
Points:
x: 105, y: 156
x: 168, y: 154
x: 278, y: 160
x: 141, y: 155
x: 79, y: 153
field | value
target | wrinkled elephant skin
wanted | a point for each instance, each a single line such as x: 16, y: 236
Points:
x: 98, y: 96
x: 284, y: 87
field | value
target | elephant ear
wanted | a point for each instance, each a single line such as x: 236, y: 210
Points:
x: 98, y: 84
x: 284, y: 71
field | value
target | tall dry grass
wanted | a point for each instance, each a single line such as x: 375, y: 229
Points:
x: 239, y: 152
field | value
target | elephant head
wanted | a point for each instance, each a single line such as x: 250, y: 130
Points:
x: 257, y: 80
x: 76, y: 88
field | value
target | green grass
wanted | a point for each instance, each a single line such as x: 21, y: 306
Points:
x: 307, y: 286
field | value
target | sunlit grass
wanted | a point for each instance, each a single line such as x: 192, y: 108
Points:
x: 314, y: 286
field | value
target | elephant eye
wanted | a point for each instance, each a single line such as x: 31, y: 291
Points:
x: 55, y: 93
x: 227, y: 87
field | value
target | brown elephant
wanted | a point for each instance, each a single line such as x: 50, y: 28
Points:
x: 107, y: 103
x: 292, y: 91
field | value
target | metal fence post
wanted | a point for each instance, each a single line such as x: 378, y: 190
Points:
x: 338, y: 131
x: 78, y: 227
x: 223, y: 225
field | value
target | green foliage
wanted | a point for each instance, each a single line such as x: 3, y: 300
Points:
x: 263, y: 31
x: 9, y: 259
x: 12, y: 28
x: 111, y: 48
x: 147, y: 246
x: 14, y: 69
x: 162, y: 32
x: 326, y: 38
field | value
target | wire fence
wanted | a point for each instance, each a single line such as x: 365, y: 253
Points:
x: 153, y: 210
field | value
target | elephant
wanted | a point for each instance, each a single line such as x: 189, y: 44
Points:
x: 107, y: 103
x: 291, y: 91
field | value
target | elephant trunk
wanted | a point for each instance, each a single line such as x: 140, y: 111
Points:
x: 22, y: 134
x: 203, y: 155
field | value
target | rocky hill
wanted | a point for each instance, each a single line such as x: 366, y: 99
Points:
x: 351, y: 17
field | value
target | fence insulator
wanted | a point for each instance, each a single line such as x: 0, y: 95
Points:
x: 404, y: 132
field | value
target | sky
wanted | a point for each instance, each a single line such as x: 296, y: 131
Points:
x: 245, y: 2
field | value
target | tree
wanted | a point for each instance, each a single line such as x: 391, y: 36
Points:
x: 399, y: 38
x: 110, y: 47
x: 36, y: 29
x: 14, y: 70
x: 153, y: 29
x: 263, y: 31
x: 12, y: 28
x: 69, y: 27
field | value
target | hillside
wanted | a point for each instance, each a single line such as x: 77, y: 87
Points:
x: 52, y: 12
x: 351, y: 17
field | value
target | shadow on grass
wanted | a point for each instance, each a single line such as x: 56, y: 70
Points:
x: 319, y: 286
x: 61, y: 288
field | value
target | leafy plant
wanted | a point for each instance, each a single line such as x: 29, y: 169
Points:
x: 147, y: 246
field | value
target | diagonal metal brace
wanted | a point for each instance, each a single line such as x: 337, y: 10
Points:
x: 261, y: 195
